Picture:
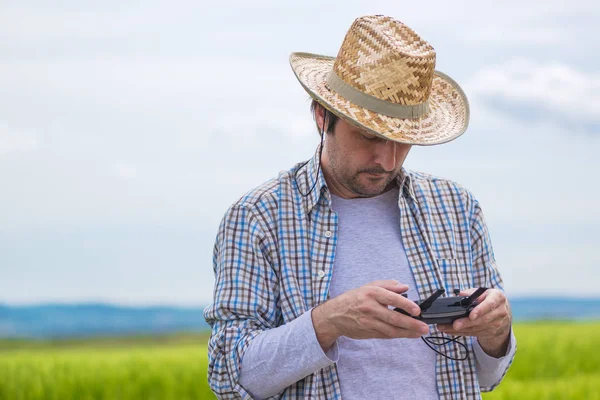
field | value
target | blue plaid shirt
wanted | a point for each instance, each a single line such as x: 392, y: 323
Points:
x: 274, y: 256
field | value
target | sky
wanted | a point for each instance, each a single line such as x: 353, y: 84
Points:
x: 128, y: 128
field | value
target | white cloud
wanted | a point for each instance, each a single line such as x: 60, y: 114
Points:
x: 259, y: 124
x: 46, y: 23
x: 11, y: 141
x: 531, y: 23
x: 530, y: 35
x: 563, y: 91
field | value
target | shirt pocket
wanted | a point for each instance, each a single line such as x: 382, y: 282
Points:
x: 455, y: 274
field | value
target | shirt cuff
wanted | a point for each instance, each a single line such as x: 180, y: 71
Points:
x: 490, y: 363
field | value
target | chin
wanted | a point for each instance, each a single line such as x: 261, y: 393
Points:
x: 372, y: 190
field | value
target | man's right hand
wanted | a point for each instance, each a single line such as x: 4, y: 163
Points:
x: 363, y: 313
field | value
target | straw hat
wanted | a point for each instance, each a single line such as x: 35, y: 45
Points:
x: 384, y: 81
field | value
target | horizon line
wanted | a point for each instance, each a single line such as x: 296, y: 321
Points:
x: 116, y: 303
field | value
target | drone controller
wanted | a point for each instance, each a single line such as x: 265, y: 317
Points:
x: 445, y: 310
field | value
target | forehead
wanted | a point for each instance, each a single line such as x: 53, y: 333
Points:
x: 354, y: 130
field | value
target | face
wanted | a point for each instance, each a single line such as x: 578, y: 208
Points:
x: 357, y: 163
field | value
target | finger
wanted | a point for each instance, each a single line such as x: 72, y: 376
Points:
x: 391, y: 317
x: 482, y: 319
x: 480, y: 330
x: 391, y: 331
x: 464, y: 329
x: 389, y: 298
x: 457, y: 322
x: 390, y: 284
x: 491, y: 322
x: 495, y: 299
x: 498, y: 313
x: 446, y: 327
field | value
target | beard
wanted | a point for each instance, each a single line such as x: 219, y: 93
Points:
x: 362, y: 183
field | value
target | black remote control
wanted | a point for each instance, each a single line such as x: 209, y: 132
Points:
x: 445, y: 310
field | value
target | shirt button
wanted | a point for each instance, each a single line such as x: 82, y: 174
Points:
x: 321, y: 274
x: 328, y: 233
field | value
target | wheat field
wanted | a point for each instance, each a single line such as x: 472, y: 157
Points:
x: 555, y: 360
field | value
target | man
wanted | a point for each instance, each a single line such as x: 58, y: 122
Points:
x: 310, y: 265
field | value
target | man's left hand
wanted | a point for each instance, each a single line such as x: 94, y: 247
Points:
x: 490, y: 322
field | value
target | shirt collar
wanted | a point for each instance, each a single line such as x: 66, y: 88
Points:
x: 310, y: 172
x: 405, y: 183
x: 306, y: 176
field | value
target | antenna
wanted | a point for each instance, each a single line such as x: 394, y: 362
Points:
x: 429, y: 301
x: 473, y: 297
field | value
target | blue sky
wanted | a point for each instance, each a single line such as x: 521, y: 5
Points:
x: 127, y: 129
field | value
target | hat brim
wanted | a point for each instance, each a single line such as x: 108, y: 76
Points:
x: 447, y: 119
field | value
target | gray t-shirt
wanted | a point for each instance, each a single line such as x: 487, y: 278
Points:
x: 391, y: 368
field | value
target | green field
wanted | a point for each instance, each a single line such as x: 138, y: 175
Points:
x: 554, y: 361
x: 172, y: 368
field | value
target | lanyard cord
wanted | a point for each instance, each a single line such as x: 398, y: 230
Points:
x: 325, y: 120
x: 429, y: 341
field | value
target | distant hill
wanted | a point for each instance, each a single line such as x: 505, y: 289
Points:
x: 552, y: 308
x: 85, y: 320
x: 77, y: 320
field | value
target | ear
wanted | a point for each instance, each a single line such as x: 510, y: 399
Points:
x: 319, y: 117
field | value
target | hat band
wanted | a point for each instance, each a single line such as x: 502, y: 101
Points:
x: 373, y: 103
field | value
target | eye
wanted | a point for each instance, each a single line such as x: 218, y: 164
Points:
x: 369, y: 138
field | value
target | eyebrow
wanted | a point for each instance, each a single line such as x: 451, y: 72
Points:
x: 368, y: 134
x: 362, y: 132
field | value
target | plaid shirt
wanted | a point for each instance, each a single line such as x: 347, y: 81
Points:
x: 274, y: 244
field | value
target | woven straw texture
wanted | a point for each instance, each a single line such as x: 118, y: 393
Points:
x: 386, y: 60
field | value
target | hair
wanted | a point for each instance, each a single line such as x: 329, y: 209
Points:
x: 330, y: 118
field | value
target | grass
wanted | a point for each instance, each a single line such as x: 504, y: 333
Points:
x: 555, y: 360
x: 117, y: 368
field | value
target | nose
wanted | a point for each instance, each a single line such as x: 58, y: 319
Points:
x: 385, y: 155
